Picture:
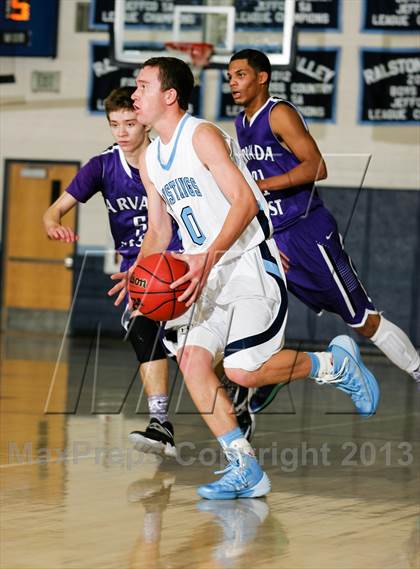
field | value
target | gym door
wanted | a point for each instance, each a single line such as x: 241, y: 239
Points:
x: 36, y: 285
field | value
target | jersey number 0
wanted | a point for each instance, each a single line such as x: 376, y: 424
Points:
x: 192, y: 226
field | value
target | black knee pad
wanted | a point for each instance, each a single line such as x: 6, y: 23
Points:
x: 144, y: 335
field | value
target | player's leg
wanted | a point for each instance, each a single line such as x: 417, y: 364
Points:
x: 196, y: 347
x: 323, y: 277
x: 154, y: 377
x: 392, y: 341
x: 348, y: 297
x: 243, y: 477
x: 196, y: 365
x: 252, y: 343
x: 346, y: 294
x: 303, y: 281
x: 239, y: 397
x: 158, y: 437
x: 340, y: 365
x: 253, y: 357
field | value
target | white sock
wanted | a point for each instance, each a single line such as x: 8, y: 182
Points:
x: 243, y: 446
x: 322, y: 364
x: 396, y: 345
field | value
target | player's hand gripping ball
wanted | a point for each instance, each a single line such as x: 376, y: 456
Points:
x: 149, y: 287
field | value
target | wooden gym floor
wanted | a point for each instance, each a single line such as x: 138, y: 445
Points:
x: 74, y: 495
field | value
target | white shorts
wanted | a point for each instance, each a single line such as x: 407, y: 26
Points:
x: 242, y: 312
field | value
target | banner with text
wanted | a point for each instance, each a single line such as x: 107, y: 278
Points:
x: 104, y: 77
x: 253, y: 15
x: 390, y: 86
x: 391, y: 15
x: 311, y: 86
x: 153, y: 14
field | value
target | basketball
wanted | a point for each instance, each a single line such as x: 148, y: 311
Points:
x: 149, y: 287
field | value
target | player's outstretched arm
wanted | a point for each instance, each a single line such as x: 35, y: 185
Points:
x: 213, y: 152
x: 52, y: 219
x: 287, y: 125
x: 156, y: 239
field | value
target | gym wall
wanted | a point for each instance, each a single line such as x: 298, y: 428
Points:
x: 59, y: 126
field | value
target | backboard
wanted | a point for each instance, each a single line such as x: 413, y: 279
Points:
x: 141, y: 29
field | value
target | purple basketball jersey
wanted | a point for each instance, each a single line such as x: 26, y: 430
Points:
x: 125, y: 200
x: 321, y: 273
x: 266, y: 157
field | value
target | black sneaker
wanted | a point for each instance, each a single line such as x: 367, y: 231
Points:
x: 158, y: 438
x: 263, y: 396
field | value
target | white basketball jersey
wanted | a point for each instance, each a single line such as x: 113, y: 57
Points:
x: 192, y: 196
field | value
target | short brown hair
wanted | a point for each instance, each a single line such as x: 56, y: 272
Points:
x: 174, y: 74
x: 119, y: 99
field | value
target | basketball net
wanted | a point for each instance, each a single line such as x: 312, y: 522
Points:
x: 197, y: 54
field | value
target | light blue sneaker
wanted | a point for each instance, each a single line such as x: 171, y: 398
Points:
x: 244, y: 478
x: 352, y: 376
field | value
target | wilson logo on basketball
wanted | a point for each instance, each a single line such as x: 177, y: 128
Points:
x: 150, y: 286
x: 138, y: 282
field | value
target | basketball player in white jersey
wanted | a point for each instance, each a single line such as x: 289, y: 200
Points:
x: 195, y: 172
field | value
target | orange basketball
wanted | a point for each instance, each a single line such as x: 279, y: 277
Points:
x: 149, y: 286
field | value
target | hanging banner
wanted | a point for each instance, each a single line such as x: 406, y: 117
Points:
x: 104, y: 77
x: 254, y: 15
x: 391, y: 15
x: 153, y: 14
x: 390, y: 86
x: 311, y: 86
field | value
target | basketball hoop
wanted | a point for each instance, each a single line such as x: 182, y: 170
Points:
x: 197, y: 54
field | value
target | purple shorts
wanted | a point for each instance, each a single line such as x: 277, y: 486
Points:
x: 321, y: 273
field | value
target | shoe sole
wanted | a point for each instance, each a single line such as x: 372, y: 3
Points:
x: 269, y: 399
x: 352, y: 349
x: 262, y: 488
x: 142, y: 444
